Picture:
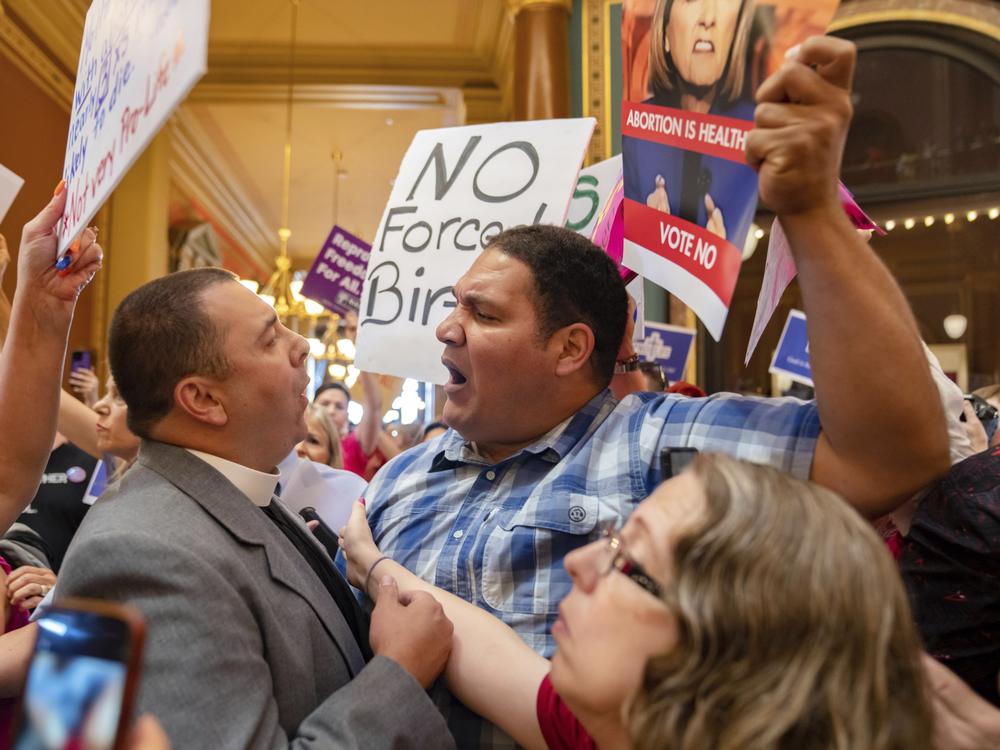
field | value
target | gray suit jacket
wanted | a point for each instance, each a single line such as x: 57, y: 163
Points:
x: 245, y: 647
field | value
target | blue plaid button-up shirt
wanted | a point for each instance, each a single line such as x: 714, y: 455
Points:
x: 496, y: 535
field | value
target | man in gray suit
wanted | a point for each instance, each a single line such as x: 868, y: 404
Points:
x: 253, y: 638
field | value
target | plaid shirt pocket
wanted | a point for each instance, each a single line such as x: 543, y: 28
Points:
x: 522, y: 569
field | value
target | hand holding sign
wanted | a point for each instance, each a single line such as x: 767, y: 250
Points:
x: 137, y: 62
x: 35, y: 272
x: 801, y: 126
x: 715, y: 223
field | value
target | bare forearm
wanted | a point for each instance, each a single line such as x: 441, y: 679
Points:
x: 384, y: 444
x: 491, y: 670
x: 371, y: 422
x: 15, y: 655
x: 878, y: 405
x: 78, y: 422
x: 30, y: 373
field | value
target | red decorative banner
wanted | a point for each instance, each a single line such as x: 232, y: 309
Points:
x: 725, y: 137
x: 706, y: 256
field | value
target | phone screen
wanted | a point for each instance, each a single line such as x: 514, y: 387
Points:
x: 674, y: 460
x: 76, y: 682
x: 79, y: 360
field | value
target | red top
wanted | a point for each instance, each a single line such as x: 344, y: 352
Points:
x: 17, y: 618
x: 560, y: 727
x: 356, y: 460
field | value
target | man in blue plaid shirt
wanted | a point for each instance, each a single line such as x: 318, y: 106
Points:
x: 541, y: 456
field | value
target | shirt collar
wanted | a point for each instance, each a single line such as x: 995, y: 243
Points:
x: 256, y: 485
x: 551, y: 447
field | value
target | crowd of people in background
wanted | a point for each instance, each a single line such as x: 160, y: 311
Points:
x: 587, y: 555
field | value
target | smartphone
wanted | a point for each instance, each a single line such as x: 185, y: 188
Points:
x: 82, y: 677
x: 674, y: 460
x: 80, y: 360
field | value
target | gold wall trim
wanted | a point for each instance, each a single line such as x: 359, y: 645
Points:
x: 595, y: 74
x: 331, y: 74
x: 347, y: 96
x: 501, y: 62
x: 595, y: 101
x: 584, y: 62
x: 34, y: 62
x: 609, y: 110
x: 480, y: 104
x: 57, y: 23
x: 204, y: 178
x: 516, y: 6
x: 848, y: 20
x: 407, y: 66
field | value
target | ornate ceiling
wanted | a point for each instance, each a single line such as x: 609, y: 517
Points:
x: 368, y: 76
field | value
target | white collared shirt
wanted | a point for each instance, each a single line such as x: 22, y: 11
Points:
x: 257, y: 485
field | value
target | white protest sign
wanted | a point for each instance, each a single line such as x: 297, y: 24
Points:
x: 138, y: 60
x: 10, y: 186
x: 457, y: 188
x: 593, y: 188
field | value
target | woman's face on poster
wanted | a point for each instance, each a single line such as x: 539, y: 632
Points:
x: 699, y: 37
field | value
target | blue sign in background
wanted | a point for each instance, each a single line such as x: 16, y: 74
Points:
x: 98, y: 483
x: 669, y: 346
x: 792, y: 355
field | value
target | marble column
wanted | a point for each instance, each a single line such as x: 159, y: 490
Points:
x: 541, y: 58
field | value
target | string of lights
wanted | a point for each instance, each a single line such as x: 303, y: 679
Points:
x: 949, y: 218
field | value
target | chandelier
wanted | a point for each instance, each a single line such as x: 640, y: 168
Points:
x: 328, y: 333
x: 282, y: 291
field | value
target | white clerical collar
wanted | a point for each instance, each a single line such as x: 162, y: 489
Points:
x: 257, y: 485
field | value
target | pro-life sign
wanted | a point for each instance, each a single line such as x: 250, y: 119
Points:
x: 457, y: 188
x: 138, y: 60
x: 668, y: 346
x: 792, y: 355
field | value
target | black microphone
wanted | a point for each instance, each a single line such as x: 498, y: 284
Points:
x: 322, y: 532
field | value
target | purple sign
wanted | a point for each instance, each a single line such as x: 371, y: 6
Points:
x: 337, y: 275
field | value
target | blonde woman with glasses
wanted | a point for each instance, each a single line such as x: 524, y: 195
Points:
x: 737, y: 609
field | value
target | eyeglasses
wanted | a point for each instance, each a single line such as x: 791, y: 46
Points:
x: 625, y: 565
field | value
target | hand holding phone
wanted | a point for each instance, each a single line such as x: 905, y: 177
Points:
x: 82, y: 378
x: 674, y: 460
x: 80, y: 360
x: 82, y: 678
